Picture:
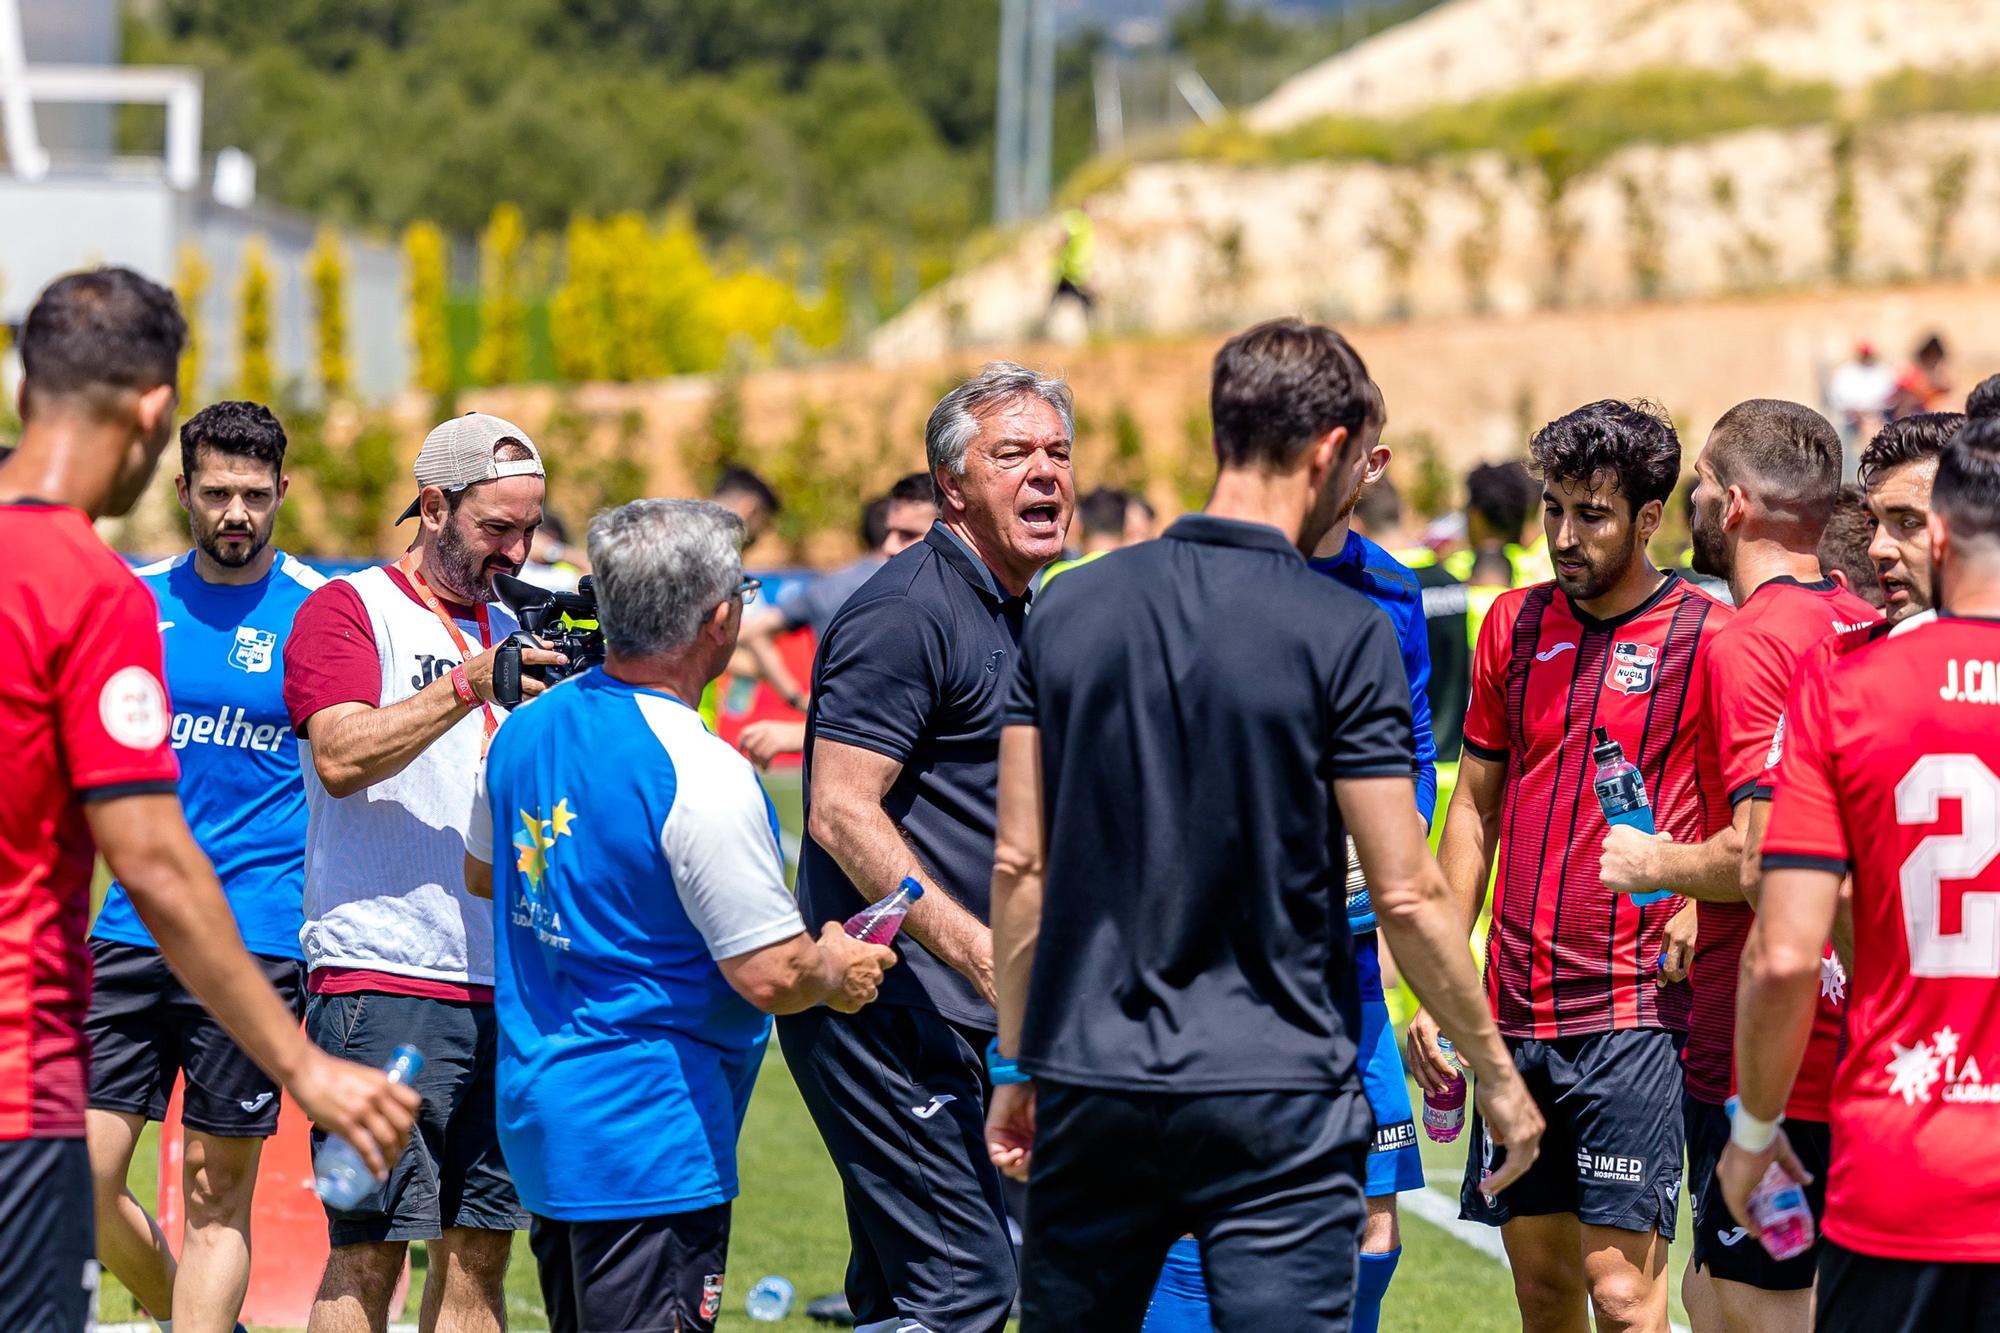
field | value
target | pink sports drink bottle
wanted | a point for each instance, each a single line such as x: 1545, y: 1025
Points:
x: 878, y: 923
x: 1778, y: 1206
x: 1444, y: 1112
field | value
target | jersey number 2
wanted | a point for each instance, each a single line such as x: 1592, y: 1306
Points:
x: 1974, y: 949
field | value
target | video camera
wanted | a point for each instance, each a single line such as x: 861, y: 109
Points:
x: 564, y: 621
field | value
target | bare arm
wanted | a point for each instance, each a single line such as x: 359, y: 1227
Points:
x: 798, y: 973
x: 1710, y: 871
x: 1416, y: 914
x: 1778, y: 986
x: 355, y: 746
x: 478, y: 878
x: 1018, y: 869
x: 848, y: 787
x: 146, y: 842
x: 1753, y: 877
x: 759, y: 638
x: 1465, y: 859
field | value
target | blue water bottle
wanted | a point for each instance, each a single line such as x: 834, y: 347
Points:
x: 339, y: 1174
x: 1622, y: 792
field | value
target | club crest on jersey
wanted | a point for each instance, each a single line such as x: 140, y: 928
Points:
x: 253, y: 650
x: 1634, y: 667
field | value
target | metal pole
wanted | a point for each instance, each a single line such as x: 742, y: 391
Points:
x: 1110, y: 104
x: 1007, y: 113
x: 17, y: 109
x: 1038, y: 168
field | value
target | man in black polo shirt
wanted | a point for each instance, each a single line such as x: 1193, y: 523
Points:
x: 902, y: 754
x: 1193, y: 726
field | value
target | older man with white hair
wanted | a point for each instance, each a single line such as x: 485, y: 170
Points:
x: 643, y: 933
x: 902, y: 761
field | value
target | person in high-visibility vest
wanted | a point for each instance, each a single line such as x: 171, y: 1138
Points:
x: 1501, y: 501
x: 1074, y: 259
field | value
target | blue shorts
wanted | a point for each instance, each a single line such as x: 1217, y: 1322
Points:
x: 1394, y: 1164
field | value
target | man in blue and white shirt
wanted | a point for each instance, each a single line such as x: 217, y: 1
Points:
x: 643, y: 936
x: 225, y: 608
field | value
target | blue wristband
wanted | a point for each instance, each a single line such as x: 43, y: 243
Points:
x: 1002, y: 1070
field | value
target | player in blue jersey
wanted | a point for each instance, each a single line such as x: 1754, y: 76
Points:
x: 1180, y: 1303
x: 225, y: 608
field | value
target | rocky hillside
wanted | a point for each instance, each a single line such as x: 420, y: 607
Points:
x: 1474, y: 48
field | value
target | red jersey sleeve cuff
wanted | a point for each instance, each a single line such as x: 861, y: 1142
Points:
x: 1487, y: 752
x: 1832, y: 865
x: 1743, y: 792
x: 112, y: 791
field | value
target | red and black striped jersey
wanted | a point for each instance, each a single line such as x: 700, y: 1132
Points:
x: 1565, y: 956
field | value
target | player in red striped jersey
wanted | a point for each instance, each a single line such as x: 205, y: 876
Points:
x: 84, y: 721
x: 1571, y: 967
x: 1766, y: 483
x: 1890, y: 770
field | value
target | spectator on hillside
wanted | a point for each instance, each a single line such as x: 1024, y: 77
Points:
x: 389, y: 682
x: 645, y: 932
x: 1843, y: 547
x: 1923, y: 385
x: 749, y: 497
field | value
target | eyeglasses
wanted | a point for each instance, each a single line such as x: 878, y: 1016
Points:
x: 746, y: 591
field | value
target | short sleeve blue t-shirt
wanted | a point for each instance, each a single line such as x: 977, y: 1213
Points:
x: 240, y: 783
x: 631, y: 850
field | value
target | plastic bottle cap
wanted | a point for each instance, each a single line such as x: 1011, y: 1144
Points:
x: 912, y: 887
x: 1606, y: 749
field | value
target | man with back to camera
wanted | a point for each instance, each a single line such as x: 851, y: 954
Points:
x: 225, y: 607
x: 1766, y: 481
x: 389, y: 682
x: 1886, y: 773
x: 1182, y: 994
x: 1394, y: 1163
x: 901, y: 762
x: 1573, y: 970
x: 84, y: 717
x: 633, y: 1019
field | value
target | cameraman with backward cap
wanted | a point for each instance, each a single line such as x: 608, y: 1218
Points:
x: 389, y: 680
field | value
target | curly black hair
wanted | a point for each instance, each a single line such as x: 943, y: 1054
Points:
x: 1633, y: 442
x: 1967, y: 491
x: 1984, y: 400
x: 1504, y: 495
x: 1909, y: 440
x: 241, y: 430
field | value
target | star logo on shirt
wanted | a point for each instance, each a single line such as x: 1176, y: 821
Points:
x: 1914, y: 1071
x: 1832, y: 980
x: 536, y: 841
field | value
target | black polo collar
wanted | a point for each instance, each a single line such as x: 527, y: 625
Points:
x: 962, y: 558
x: 1212, y: 531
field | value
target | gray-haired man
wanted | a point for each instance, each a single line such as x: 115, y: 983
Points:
x: 633, y: 1020
x: 902, y: 758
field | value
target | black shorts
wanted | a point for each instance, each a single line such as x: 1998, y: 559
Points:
x: 1859, y: 1293
x: 1269, y: 1183
x: 1725, y: 1249
x: 638, y: 1275
x: 48, y: 1250
x: 452, y: 1173
x: 899, y: 1096
x: 1612, y: 1150
x: 145, y: 1028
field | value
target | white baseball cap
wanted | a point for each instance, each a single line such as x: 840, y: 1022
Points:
x: 460, y: 452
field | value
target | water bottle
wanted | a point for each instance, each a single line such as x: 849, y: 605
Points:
x: 339, y: 1174
x: 1444, y: 1112
x: 770, y: 1300
x: 1778, y: 1206
x: 878, y: 923
x: 1621, y: 790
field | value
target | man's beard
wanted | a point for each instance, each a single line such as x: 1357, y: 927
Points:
x: 210, y: 542
x: 457, y: 569
x: 1711, y: 549
x: 1597, y: 579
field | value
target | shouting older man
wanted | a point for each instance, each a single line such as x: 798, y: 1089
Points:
x: 902, y: 761
x: 389, y: 683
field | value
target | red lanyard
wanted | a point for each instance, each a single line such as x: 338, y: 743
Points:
x: 408, y: 566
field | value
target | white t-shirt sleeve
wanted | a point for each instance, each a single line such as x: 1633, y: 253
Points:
x: 479, y: 832
x: 723, y: 855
